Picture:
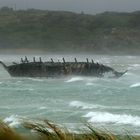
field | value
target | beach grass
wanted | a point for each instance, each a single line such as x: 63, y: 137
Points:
x: 50, y: 131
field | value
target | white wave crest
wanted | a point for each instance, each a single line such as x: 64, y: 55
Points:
x: 42, y: 108
x: 31, y: 89
x: 135, y: 65
x: 88, y: 79
x: 36, y: 79
x: 13, y: 121
x: 89, y: 84
x: 1, y: 83
x: 135, y: 85
x: 82, y: 105
x: 129, y: 74
x: 74, y: 79
x: 105, y: 117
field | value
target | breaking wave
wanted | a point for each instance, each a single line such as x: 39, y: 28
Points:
x: 42, y: 108
x: 105, y: 117
x: 86, y: 106
x: 135, y: 85
x: 87, y: 79
x: 13, y: 121
x: 135, y: 65
x: 1, y: 83
x: 36, y: 79
x: 82, y: 105
x: 89, y: 84
x: 74, y: 79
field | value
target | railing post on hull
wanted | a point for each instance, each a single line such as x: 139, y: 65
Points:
x: 40, y: 60
x: 92, y: 61
x: 22, y: 60
x: 75, y: 60
x: 52, y: 60
x: 26, y: 60
x: 87, y: 60
x: 34, y: 59
x: 64, y: 60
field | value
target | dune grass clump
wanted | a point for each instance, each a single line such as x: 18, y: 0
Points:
x: 49, y: 131
x: 7, y: 133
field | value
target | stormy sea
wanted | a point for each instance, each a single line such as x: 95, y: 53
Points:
x: 113, y: 104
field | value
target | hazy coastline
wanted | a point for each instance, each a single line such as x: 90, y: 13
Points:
x: 60, y: 31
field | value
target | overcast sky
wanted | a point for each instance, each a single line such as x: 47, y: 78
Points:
x: 88, y: 6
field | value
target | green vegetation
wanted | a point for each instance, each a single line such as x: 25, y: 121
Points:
x: 63, y: 31
x: 50, y: 131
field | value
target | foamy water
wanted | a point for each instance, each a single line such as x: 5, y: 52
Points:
x: 105, y: 117
x: 72, y: 101
x: 135, y: 85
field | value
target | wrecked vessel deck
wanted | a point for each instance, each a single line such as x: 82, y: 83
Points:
x: 59, y: 69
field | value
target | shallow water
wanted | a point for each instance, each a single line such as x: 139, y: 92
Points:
x: 72, y: 101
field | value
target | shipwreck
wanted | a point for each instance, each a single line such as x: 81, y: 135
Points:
x: 59, y: 69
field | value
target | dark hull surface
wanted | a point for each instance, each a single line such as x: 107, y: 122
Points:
x: 49, y: 69
x: 59, y: 69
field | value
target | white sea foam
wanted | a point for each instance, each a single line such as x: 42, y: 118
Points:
x: 89, y: 84
x: 86, y: 79
x: 135, y: 85
x: 129, y: 74
x: 42, y: 107
x: 31, y: 89
x: 105, y: 117
x: 82, y: 105
x: 19, y: 81
x: 74, y: 79
x: 135, y: 65
x: 108, y: 74
x: 13, y: 121
x: 36, y: 79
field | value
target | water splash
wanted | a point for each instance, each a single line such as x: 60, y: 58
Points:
x: 105, y: 117
x: 135, y: 85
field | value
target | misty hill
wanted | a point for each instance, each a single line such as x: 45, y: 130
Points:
x: 62, y: 31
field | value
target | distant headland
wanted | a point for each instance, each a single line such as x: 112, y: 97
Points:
x: 62, y: 31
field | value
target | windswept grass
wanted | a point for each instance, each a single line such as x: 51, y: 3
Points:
x: 50, y: 131
x: 6, y: 133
